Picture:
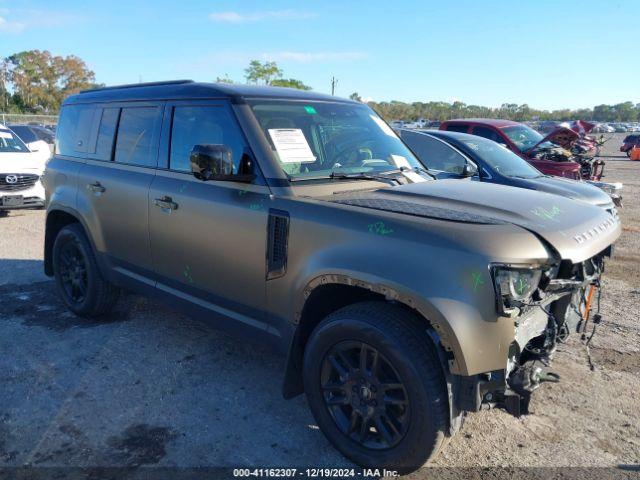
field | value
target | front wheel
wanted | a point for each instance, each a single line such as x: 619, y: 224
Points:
x: 78, y: 279
x: 376, y: 387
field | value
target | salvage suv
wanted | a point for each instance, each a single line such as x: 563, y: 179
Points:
x: 302, y: 220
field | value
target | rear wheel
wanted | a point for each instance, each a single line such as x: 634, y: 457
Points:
x: 78, y: 279
x: 375, y: 386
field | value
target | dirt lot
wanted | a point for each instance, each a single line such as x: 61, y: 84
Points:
x: 147, y: 387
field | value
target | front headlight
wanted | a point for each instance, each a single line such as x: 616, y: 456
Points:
x: 514, y: 286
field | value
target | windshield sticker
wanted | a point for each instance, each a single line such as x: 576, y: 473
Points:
x: 383, y: 126
x: 379, y: 228
x: 291, y: 145
x: 310, y: 110
x: 5, y: 135
x: 477, y: 280
x: 547, y: 214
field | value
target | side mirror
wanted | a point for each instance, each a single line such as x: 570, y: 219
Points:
x: 469, y: 170
x: 211, y: 162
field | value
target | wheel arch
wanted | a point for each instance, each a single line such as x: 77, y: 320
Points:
x: 326, y: 294
x: 57, y: 219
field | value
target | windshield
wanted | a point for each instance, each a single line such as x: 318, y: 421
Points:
x: 501, y: 159
x: 316, y: 139
x: 524, y: 137
x: 10, y: 143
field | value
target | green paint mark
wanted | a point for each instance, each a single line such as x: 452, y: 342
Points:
x: 186, y: 273
x: 256, y: 206
x: 379, y: 228
x: 547, y: 214
x: 242, y: 193
x: 477, y: 280
x: 310, y: 110
x: 521, y: 286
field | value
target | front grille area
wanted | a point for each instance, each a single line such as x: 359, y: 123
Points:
x: 12, y: 182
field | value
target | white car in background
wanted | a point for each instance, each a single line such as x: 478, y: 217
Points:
x: 20, y: 172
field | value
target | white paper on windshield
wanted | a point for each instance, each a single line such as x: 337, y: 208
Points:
x: 400, y: 161
x: 5, y: 135
x: 291, y: 145
x: 414, y: 177
x: 383, y: 126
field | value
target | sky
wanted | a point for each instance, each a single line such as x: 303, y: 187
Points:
x: 548, y: 54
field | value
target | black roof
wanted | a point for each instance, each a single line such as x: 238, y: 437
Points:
x: 188, y: 89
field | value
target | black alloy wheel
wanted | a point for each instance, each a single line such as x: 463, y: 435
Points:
x: 365, y: 395
x: 73, y: 272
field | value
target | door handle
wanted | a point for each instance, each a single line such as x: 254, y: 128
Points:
x: 96, y: 187
x: 166, y: 203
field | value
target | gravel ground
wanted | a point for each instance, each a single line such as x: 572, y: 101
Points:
x: 149, y: 387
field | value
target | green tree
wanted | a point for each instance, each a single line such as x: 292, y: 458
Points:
x: 355, y: 96
x: 225, y: 79
x: 40, y: 81
x: 289, y: 82
x: 262, y: 73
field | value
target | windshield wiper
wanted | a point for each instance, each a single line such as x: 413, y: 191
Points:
x: 366, y: 176
x: 352, y: 176
x: 421, y: 170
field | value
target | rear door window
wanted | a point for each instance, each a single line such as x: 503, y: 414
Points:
x: 106, y: 133
x: 457, y: 128
x: 136, y: 142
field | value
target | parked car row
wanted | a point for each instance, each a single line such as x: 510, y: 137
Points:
x: 402, y: 293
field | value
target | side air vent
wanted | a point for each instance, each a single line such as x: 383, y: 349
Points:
x: 277, y: 246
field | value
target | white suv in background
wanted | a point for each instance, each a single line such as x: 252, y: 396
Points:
x: 20, y: 172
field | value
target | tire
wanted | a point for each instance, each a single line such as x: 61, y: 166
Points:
x: 97, y: 296
x: 4, y: 213
x: 405, y: 350
x: 629, y: 153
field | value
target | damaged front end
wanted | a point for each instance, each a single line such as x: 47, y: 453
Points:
x: 547, y: 305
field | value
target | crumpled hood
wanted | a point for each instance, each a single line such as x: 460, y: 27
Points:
x: 561, y: 136
x: 21, y: 162
x: 576, y: 230
x: 571, y: 189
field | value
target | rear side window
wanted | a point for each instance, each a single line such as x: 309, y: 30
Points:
x: 74, y: 130
x: 135, y: 142
x: 106, y: 133
x: 203, y: 125
x: 457, y: 128
x: 435, y: 154
x: 487, y: 132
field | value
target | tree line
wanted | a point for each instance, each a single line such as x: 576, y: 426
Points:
x: 36, y: 81
x: 394, y: 110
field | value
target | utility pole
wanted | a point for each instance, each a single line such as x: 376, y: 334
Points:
x: 334, y: 81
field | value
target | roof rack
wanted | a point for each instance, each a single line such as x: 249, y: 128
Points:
x: 134, y: 85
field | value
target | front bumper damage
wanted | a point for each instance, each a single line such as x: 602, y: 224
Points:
x: 562, y: 307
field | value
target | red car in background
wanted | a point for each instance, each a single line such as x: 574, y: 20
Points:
x: 629, y: 142
x: 548, y: 154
